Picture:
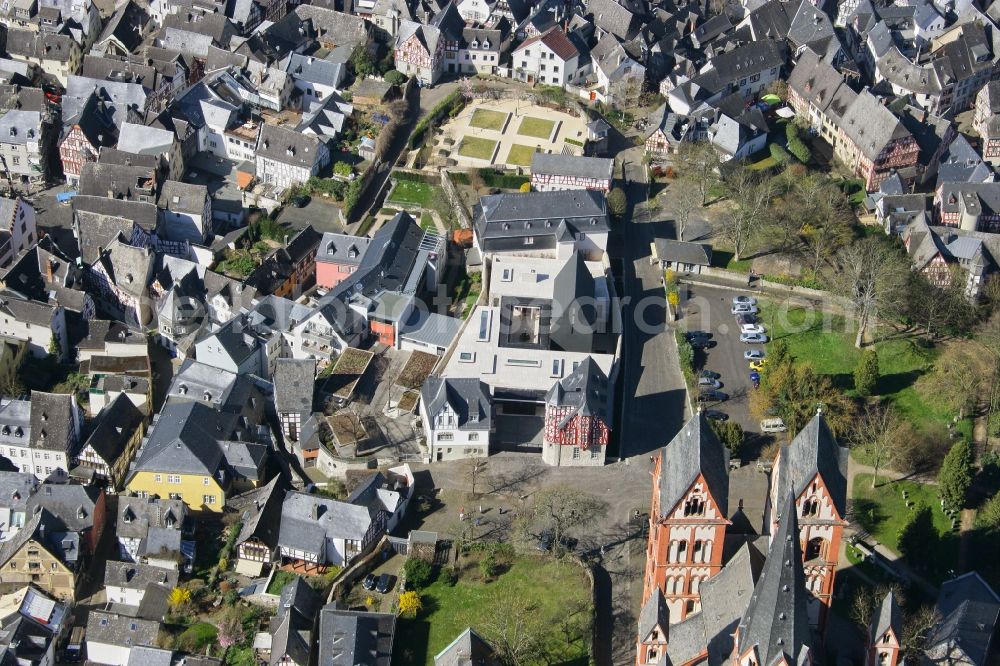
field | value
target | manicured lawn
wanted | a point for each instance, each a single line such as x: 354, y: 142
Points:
x: 411, y: 192
x: 559, y: 590
x: 882, y: 511
x: 427, y: 222
x: 487, y: 119
x: 540, y: 128
x: 520, y: 155
x: 477, y: 148
x: 827, y: 343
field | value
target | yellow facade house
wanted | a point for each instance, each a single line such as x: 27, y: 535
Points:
x: 198, y: 455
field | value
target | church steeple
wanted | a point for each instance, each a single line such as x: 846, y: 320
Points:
x: 775, y: 625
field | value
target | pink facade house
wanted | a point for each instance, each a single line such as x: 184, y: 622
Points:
x: 338, y: 256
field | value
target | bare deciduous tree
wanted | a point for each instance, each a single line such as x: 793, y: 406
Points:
x: 867, y: 600
x: 917, y: 629
x: 685, y: 200
x: 472, y: 468
x: 877, y: 433
x: 514, y: 628
x: 872, y: 275
x: 562, y: 507
x: 751, y: 195
x: 698, y: 167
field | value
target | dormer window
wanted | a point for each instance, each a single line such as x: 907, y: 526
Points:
x: 475, y: 44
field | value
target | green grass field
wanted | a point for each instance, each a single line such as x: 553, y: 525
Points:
x: 827, y: 343
x: 412, y: 192
x: 520, y: 155
x: 427, y: 222
x: 477, y: 148
x: 882, y: 511
x: 488, y: 119
x: 540, y: 128
x: 557, y: 588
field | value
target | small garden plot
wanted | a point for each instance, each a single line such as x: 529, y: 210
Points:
x: 488, y: 119
x: 408, y: 402
x: 520, y: 155
x: 418, y: 367
x: 411, y: 192
x: 347, y: 429
x: 347, y: 372
x: 477, y: 148
x: 540, y: 128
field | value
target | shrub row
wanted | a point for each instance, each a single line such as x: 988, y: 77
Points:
x: 449, y: 106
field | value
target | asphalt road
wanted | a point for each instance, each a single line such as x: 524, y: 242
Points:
x: 654, y: 396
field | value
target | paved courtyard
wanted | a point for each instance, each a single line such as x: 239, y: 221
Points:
x: 506, y: 133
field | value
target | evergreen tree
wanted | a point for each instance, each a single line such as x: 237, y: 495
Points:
x: 917, y: 534
x: 866, y: 373
x: 955, y: 475
x: 617, y: 202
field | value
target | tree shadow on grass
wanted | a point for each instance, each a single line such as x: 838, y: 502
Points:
x: 896, y: 382
x: 412, y: 637
x: 843, y: 381
x: 868, y: 513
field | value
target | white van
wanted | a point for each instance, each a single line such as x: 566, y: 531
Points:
x: 772, y: 426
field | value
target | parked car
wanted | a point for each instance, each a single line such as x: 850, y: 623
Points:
x: 753, y: 338
x: 697, y: 334
x: 73, y: 651
x: 369, y: 582
x: 705, y: 382
x: 384, y: 584
x: 301, y: 201
x: 773, y: 425
x: 752, y: 328
x: 744, y: 300
x: 746, y: 319
x: 712, y: 396
x: 716, y: 415
x: 755, y: 379
x: 744, y: 308
x: 753, y: 354
x: 709, y: 374
x: 758, y: 364
x: 701, y: 342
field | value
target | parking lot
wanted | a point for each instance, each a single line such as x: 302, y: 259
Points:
x: 708, y: 309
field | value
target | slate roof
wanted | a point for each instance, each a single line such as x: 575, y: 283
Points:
x: 120, y: 630
x: 260, y: 511
x: 468, y: 649
x: 15, y: 489
x: 287, y: 146
x: 889, y: 617
x: 293, y: 381
x: 615, y: 17
x: 557, y: 164
x: 116, y: 424
x: 98, y: 231
x: 138, y: 515
x: 126, y: 25
x: 870, y: 126
x: 538, y: 213
x: 814, y: 450
x: 179, y: 197
x: 136, y: 576
x: 654, y: 614
x: 73, y: 507
x: 694, y: 451
x: 43, y: 45
x: 699, y: 254
x: 776, y: 621
x: 337, y: 520
x: 465, y: 397
x: 52, y: 419
x: 586, y: 390
x: 969, y: 611
x: 185, y: 440
x: 29, y: 312
x: 348, y: 638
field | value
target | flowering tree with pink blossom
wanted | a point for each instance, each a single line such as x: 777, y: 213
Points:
x: 230, y: 631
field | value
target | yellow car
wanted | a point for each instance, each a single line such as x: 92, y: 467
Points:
x: 758, y: 365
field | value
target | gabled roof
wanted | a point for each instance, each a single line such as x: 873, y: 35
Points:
x: 185, y: 440
x: 815, y: 451
x: 654, y: 614
x: 466, y: 397
x: 776, y: 622
x: 969, y: 610
x: 468, y: 649
x: 556, y: 40
x: 586, y: 391
x: 293, y: 384
x: 349, y: 638
x: 260, y: 511
x: 694, y: 451
x: 888, y: 618
x: 870, y: 126
x: 558, y: 164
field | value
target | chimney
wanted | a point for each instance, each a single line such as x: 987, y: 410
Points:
x: 49, y: 267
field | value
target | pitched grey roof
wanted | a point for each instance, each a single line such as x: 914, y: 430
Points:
x: 558, y: 164
x: 120, y: 630
x: 815, y: 451
x: 116, y: 424
x: 871, y: 126
x: 138, y: 515
x: 136, y: 576
x: 889, y: 617
x: 260, y: 511
x: 348, y: 638
x: 654, y: 614
x: 586, y: 391
x: 776, y: 621
x: 614, y: 17
x: 73, y: 506
x: 694, y: 451
x: 15, y: 489
x: 466, y: 397
x: 29, y: 312
x: 336, y: 520
x: 540, y: 213
x: 287, y: 146
x: 185, y: 440
x: 52, y: 421
x: 468, y: 649
x: 969, y: 610
x: 699, y: 254
x: 430, y: 328
x: 293, y: 384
